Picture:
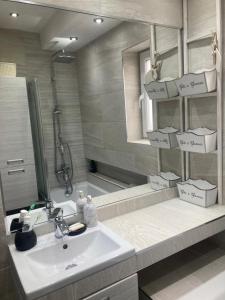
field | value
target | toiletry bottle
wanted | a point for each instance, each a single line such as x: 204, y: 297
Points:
x: 23, y: 214
x: 81, y: 201
x: 17, y: 223
x: 27, y: 223
x: 90, y: 213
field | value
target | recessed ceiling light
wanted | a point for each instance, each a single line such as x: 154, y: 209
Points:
x: 14, y: 14
x: 98, y: 20
x: 74, y: 38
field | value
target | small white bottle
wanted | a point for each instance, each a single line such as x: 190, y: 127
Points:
x: 81, y: 202
x: 90, y: 213
x: 23, y: 214
x: 27, y: 223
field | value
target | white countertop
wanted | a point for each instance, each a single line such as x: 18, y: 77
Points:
x: 152, y: 226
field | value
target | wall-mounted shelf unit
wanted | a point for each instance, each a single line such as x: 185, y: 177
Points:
x: 177, y: 46
x: 215, y: 168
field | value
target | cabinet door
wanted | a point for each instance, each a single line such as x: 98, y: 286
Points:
x: 19, y: 186
x: 16, y: 145
x: 122, y: 290
x: 62, y: 294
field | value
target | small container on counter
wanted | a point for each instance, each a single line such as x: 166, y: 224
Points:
x: 17, y: 223
x: 81, y: 201
x: 26, y: 238
x: 90, y: 213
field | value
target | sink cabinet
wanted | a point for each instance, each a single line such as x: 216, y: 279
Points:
x: 123, y: 290
x: 66, y: 293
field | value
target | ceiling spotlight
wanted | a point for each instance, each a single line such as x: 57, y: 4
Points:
x: 98, y: 20
x: 14, y: 14
x: 74, y: 38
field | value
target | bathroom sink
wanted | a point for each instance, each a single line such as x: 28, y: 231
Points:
x: 56, y: 263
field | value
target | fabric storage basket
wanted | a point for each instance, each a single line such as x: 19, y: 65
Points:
x: 201, y: 140
x: 162, y: 89
x: 199, y: 192
x: 163, y: 138
x: 164, y: 180
x: 202, y: 81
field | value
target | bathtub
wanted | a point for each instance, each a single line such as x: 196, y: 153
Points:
x: 58, y: 194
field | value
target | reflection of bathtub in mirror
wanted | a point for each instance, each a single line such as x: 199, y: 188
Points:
x: 58, y: 194
x: 68, y: 203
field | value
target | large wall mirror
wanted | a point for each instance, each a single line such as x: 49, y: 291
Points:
x: 74, y: 111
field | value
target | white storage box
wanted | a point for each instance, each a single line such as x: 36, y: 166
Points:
x: 162, y: 89
x: 199, y: 192
x: 201, y: 140
x: 164, y: 180
x: 202, y: 81
x: 163, y: 138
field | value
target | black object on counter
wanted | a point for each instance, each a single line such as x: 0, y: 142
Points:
x: 25, y: 240
x: 16, y: 225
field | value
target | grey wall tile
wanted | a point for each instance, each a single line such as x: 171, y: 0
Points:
x: 101, y: 83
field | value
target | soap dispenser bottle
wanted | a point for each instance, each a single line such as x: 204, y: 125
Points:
x: 90, y: 213
x: 81, y: 202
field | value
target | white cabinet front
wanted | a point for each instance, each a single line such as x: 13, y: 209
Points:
x: 122, y: 290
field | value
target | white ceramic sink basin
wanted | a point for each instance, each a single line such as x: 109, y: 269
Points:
x: 49, y: 265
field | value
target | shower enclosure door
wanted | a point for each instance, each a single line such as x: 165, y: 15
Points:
x: 38, y: 140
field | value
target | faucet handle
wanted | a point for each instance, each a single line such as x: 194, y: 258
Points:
x: 55, y: 213
x: 48, y: 204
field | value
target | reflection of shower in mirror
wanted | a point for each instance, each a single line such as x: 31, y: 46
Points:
x: 62, y: 154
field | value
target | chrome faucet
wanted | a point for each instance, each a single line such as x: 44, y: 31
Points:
x: 61, y: 228
x: 49, y: 207
x: 55, y: 215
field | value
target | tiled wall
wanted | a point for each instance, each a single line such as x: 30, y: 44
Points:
x: 24, y: 49
x: 103, y: 105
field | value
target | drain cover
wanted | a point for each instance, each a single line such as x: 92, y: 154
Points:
x: 65, y: 246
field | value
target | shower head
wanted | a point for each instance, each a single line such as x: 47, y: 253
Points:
x: 63, y: 57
